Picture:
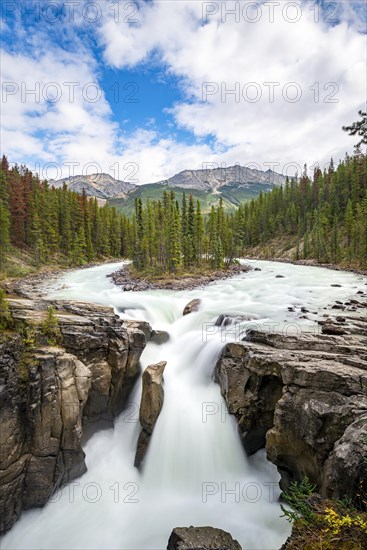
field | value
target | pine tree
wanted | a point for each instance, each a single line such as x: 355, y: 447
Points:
x: 349, y: 223
x: 335, y: 246
x: 358, y: 128
x: 191, y: 234
x: 139, y: 261
x: 199, y: 234
x: 4, y: 233
x: 175, y: 253
x: 79, y: 248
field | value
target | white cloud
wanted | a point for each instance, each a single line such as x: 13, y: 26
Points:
x: 221, y: 51
x: 75, y: 130
x: 50, y: 93
x: 330, y: 59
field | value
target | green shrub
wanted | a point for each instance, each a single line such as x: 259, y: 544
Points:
x: 50, y: 328
x: 321, y: 524
x: 297, y: 497
x: 6, y: 321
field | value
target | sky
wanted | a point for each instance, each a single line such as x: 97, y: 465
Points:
x: 142, y: 90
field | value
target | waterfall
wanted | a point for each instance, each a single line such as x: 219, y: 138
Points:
x: 195, y: 472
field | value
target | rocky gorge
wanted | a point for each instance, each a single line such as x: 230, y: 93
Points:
x: 301, y: 397
x: 50, y: 393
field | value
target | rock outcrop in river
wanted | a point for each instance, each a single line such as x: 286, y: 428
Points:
x: 305, y: 400
x: 150, y: 406
x: 48, y: 393
x: 129, y: 281
x: 192, y: 306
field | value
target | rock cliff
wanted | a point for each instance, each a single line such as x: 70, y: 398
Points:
x: 48, y: 393
x: 305, y: 400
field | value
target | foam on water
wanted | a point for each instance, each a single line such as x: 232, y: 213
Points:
x: 196, y: 472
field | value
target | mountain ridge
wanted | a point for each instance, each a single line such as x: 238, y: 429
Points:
x: 235, y: 184
x: 102, y: 186
x: 215, y: 178
x: 106, y: 186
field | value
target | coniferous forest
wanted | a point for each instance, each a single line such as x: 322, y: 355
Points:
x: 323, y: 217
x: 183, y: 267
x: 56, y: 223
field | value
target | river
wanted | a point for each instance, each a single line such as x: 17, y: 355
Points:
x: 196, y: 472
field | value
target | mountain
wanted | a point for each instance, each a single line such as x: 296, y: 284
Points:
x: 232, y: 195
x: 102, y: 186
x: 234, y: 184
x: 216, y: 178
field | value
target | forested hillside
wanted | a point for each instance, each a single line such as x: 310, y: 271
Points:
x: 323, y: 217
x: 232, y: 195
x: 49, y: 224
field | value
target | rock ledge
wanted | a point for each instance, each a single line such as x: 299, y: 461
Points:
x: 49, y: 393
x: 305, y: 400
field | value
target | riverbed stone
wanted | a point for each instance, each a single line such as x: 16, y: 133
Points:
x: 201, y: 538
x: 192, y: 306
x: 159, y: 337
x: 226, y: 319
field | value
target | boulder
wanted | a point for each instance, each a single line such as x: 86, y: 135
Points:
x: 141, y: 448
x: 201, y: 538
x: 159, y: 337
x: 226, y: 319
x: 330, y: 327
x: 192, y: 306
x: 150, y: 406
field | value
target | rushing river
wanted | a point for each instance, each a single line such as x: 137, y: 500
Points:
x: 196, y: 472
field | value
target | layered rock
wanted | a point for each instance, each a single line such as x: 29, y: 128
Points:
x: 150, y: 407
x: 201, y: 538
x: 304, y: 399
x: 48, y: 394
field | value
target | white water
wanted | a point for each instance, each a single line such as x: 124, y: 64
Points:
x: 195, y: 457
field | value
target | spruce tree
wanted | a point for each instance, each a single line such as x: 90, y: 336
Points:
x: 4, y: 233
